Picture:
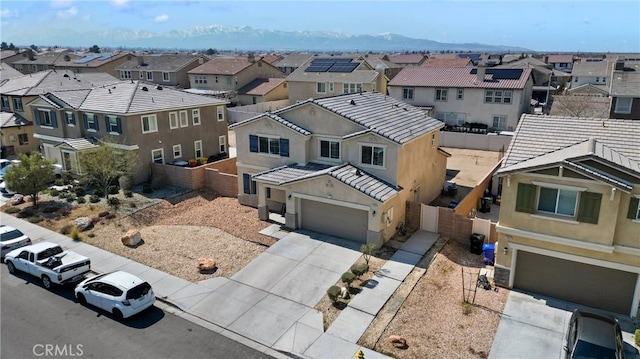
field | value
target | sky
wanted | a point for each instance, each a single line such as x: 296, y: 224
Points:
x: 545, y: 25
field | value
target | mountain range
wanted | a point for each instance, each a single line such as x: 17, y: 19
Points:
x: 244, y: 38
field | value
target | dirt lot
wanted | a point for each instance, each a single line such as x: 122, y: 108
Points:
x: 468, y: 167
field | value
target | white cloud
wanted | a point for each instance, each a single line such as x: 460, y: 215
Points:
x: 8, y: 14
x: 120, y: 3
x: 61, y: 3
x: 86, y: 17
x: 67, y: 14
x: 586, y: 20
x: 162, y: 18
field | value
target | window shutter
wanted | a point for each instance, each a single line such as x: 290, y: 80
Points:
x: 54, y: 119
x: 589, y: 208
x: 36, y: 116
x: 85, y: 121
x: 106, y: 123
x: 526, y: 200
x: 284, y: 147
x: 246, y: 183
x: 97, y: 122
x: 633, y: 208
x: 253, y: 143
x: 119, y: 126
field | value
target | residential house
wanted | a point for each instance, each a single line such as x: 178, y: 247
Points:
x: 408, y: 59
x: 334, y: 75
x: 594, y: 73
x: 381, y: 63
x: 625, y: 90
x: 16, y: 135
x: 162, y: 125
x: 10, y: 56
x: 32, y: 62
x: 7, y: 72
x: 162, y: 69
x: 562, y: 62
x: 263, y: 90
x: 546, y: 81
x: 569, y: 222
x: 344, y: 165
x: 270, y: 59
x: 490, y: 97
x: 291, y: 62
x: 92, y: 63
x: 447, y: 62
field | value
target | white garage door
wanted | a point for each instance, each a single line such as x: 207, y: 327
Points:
x: 335, y: 220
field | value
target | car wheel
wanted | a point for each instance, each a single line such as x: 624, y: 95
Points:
x: 117, y: 314
x: 46, y: 282
x: 81, y: 299
x: 11, y: 268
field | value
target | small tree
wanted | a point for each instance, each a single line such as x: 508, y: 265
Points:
x: 366, y: 250
x: 103, y: 165
x: 34, y: 48
x: 211, y: 51
x: 95, y: 49
x: 12, y: 46
x: 30, y: 176
x: 4, y: 46
x: 333, y: 293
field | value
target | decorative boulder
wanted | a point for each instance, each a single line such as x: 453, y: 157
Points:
x: 131, y: 238
x: 17, y: 199
x: 83, y: 223
x: 398, y: 341
x: 206, y: 264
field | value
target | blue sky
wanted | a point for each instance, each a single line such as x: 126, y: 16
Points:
x: 559, y: 25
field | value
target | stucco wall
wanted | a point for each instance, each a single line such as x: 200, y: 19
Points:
x: 303, y: 90
x: 10, y: 139
x: 474, y: 141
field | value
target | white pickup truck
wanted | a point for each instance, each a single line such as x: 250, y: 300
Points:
x: 48, y: 262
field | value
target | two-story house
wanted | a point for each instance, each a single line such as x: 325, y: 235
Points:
x: 334, y: 75
x: 569, y: 221
x: 408, y: 59
x: 161, y: 69
x: 92, y: 63
x: 161, y: 124
x: 625, y: 90
x: 591, y: 78
x: 16, y: 135
x: 343, y: 165
x: 489, y: 96
x: 562, y: 62
x: 33, y: 62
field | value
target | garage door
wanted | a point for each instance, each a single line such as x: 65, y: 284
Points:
x: 335, y: 220
x: 581, y: 283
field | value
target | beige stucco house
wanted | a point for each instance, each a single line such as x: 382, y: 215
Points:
x: 16, y: 135
x: 263, y: 90
x: 343, y: 165
x: 162, y: 69
x: 569, y: 221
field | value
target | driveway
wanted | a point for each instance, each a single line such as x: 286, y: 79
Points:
x: 534, y: 326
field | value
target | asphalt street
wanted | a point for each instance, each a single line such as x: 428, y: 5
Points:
x: 37, y: 323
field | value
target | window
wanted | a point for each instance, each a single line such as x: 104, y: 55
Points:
x: 221, y: 113
x: 195, y: 115
x: 254, y: 100
x: 114, y: 125
x: 228, y: 80
x: 70, y: 118
x: 149, y: 75
x: 184, y: 119
x: 330, y: 86
x: 460, y: 94
x: 351, y: 88
x: 45, y: 117
x: 177, y: 151
x: 248, y: 186
x: 17, y: 104
x: 407, y: 93
x: 5, y: 102
x: 330, y: 149
x: 23, y: 139
x: 216, y: 79
x: 197, y: 146
x: 222, y: 142
x: 269, y: 145
x: 441, y: 94
x: 497, y: 96
x: 559, y: 200
x: 166, y: 77
x: 452, y: 118
x: 157, y: 156
x: 634, y: 208
x: 623, y: 105
x: 321, y: 87
x: 149, y: 123
x: 372, y: 155
x: 173, y: 120
x: 200, y: 79
x: 268, y: 192
x: 500, y: 122
x: 91, y: 122
x: 125, y: 74
x: 563, y: 64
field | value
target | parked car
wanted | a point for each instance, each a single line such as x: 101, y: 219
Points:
x: 593, y: 335
x: 12, y: 238
x: 120, y: 293
x: 48, y: 262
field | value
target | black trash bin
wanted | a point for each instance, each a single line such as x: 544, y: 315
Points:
x: 476, y: 241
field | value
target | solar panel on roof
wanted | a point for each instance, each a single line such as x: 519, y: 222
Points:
x: 87, y: 59
x: 106, y: 56
x: 343, y: 60
x: 323, y: 60
x: 343, y: 67
x: 501, y: 74
x: 318, y: 68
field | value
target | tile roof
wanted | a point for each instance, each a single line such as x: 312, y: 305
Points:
x: 10, y: 119
x: 555, y: 137
x: 276, y: 118
x: 270, y: 59
x: 407, y: 59
x: 346, y: 173
x: 78, y: 144
x: 260, y: 87
x: 552, y: 59
x: 54, y: 80
x: 357, y: 76
x: 47, y: 58
x: 626, y: 83
x: 439, y: 62
x: 104, y: 58
x: 292, y: 60
x: 7, y: 53
x: 455, y: 77
x: 129, y: 97
x: 7, y: 72
x: 598, y: 68
x: 160, y: 62
x: 222, y: 66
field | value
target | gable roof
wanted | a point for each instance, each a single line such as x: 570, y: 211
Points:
x: 7, y: 72
x: 444, y: 62
x: 461, y: 77
x: 586, y: 106
x: 8, y: 53
x: 224, y: 66
x: 362, y: 73
x: 552, y: 59
x: 10, y: 119
x: 91, y: 60
x: 54, y: 80
x: 540, y: 140
x: 592, y: 68
x: 260, y: 87
x: 627, y: 82
x: 293, y: 60
x: 415, y: 59
x: 78, y: 144
x: 160, y: 62
x: 45, y: 58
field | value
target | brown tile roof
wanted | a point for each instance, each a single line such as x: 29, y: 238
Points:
x: 7, y: 53
x: 552, y: 59
x: 440, y: 62
x: 455, y: 77
x: 222, y: 66
x: 260, y: 87
x: 407, y: 59
x: 73, y: 61
x: 270, y: 59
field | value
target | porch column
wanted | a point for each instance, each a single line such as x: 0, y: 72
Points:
x: 291, y: 216
x: 263, y: 210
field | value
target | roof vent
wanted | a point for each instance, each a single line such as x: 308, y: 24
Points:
x: 67, y: 58
x: 159, y: 87
x: 358, y: 172
x: 353, y: 102
x: 65, y: 75
x: 144, y: 88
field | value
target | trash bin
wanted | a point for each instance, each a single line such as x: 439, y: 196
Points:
x: 485, y: 204
x: 489, y: 251
x: 476, y: 241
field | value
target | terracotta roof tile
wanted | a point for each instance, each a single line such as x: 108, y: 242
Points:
x: 260, y: 87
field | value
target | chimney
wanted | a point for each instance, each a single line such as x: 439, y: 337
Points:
x: 619, y: 64
x: 481, y: 72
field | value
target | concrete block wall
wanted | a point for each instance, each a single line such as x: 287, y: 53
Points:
x: 474, y: 141
x: 472, y: 200
x: 454, y: 225
x: 225, y: 184
x: 412, y: 215
x: 224, y: 166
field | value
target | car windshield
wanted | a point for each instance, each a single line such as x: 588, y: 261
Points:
x: 586, y: 350
x: 10, y: 235
x: 49, y: 252
x: 138, y: 291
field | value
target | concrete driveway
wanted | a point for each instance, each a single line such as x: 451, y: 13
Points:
x: 534, y: 326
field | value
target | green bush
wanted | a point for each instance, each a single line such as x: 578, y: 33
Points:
x: 59, y: 182
x: 12, y: 210
x: 348, y: 278
x: 81, y: 199
x: 79, y: 191
x: 91, y: 235
x: 98, y: 192
x: 66, y: 229
x: 25, y: 213
x: 75, y: 234
x: 54, y: 193
x: 128, y: 193
x: 359, y: 269
x: 113, y: 202
x: 71, y: 198
x: 113, y: 189
x: 34, y: 219
x: 637, y: 337
x: 94, y: 198
x: 146, y: 187
x: 333, y: 292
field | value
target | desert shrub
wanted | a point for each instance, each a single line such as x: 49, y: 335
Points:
x: 59, y: 182
x: 366, y: 250
x: 98, y: 192
x: 359, y: 269
x: 333, y: 293
x: 128, y: 193
x: 146, y: 187
x: 113, y: 202
x: 66, y: 229
x: 79, y: 191
x: 637, y: 337
x: 133, y: 205
x: 54, y: 193
x: 94, y: 198
x: 103, y: 214
x: 348, y: 278
x: 75, y: 233
x: 64, y: 212
x: 110, y: 216
x: 50, y: 209
x: 34, y: 219
x: 81, y: 199
x: 25, y: 213
x: 71, y: 198
x: 113, y: 189
x: 64, y: 195
x: 91, y: 235
x: 12, y: 210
